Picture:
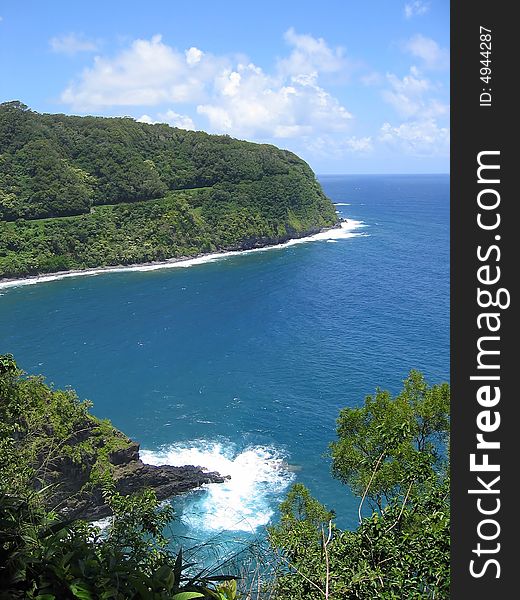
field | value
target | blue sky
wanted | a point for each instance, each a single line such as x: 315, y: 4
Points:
x: 351, y: 86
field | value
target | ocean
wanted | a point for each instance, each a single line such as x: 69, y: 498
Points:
x: 241, y: 364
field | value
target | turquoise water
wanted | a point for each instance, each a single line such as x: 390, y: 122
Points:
x: 242, y: 364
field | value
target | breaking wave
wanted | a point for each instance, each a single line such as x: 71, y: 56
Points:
x: 259, y: 477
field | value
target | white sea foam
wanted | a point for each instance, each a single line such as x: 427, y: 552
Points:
x: 103, y: 523
x: 347, y: 230
x: 259, y: 475
x: 341, y: 203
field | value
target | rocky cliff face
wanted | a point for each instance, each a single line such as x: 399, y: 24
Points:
x: 262, y: 242
x: 75, y: 496
x: 55, y: 444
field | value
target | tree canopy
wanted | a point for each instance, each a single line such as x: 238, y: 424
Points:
x: 401, y: 550
x: 79, y: 192
x: 392, y: 450
x: 387, y: 443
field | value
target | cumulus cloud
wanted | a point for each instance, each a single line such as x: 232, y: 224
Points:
x: 416, y: 8
x: 146, y: 119
x: 417, y: 100
x: 177, y: 120
x: 410, y: 97
x: 248, y: 102
x: 310, y: 56
x: 428, y: 51
x: 419, y: 137
x: 193, y: 56
x: 232, y: 94
x: 170, y: 117
x: 72, y: 43
x: 147, y: 73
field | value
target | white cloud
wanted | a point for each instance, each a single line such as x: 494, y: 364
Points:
x: 418, y: 138
x: 177, y: 120
x: 147, y: 73
x: 146, y: 119
x: 310, y: 55
x: 72, y: 43
x: 234, y: 95
x: 416, y: 8
x: 418, y: 101
x: 193, y: 56
x: 247, y: 102
x: 170, y: 117
x: 428, y: 51
x: 410, y: 96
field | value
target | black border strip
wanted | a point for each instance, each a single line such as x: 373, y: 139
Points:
x: 477, y: 127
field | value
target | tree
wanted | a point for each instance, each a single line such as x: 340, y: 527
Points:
x: 389, y: 443
x: 43, y: 556
x: 392, y: 451
x: 80, y: 192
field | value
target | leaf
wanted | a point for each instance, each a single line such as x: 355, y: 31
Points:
x: 228, y: 589
x: 56, y: 527
x: 177, y: 569
x: 164, y: 575
x: 110, y: 594
x: 80, y: 592
x: 197, y: 577
x: 188, y: 595
x: 212, y: 594
x: 141, y: 587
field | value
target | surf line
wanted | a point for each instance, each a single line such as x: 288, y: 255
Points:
x: 346, y: 230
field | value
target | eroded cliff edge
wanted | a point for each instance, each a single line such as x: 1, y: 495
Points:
x: 76, y: 495
x: 57, y: 447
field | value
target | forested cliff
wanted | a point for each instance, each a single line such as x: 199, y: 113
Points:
x: 82, y: 192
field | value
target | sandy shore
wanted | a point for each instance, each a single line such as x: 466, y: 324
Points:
x: 346, y: 230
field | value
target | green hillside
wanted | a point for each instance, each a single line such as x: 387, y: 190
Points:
x: 81, y: 192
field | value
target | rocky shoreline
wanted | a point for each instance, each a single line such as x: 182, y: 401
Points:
x: 245, y: 246
x: 74, y: 498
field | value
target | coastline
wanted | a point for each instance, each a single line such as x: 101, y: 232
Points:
x: 345, y: 230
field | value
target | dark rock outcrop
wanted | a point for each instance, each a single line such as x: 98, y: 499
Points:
x: 263, y: 242
x: 75, y: 498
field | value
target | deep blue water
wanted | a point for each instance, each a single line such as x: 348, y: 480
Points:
x: 244, y: 363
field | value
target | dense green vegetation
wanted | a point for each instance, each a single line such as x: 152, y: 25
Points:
x: 79, y: 192
x: 46, y: 558
x: 392, y: 452
x: 49, y: 431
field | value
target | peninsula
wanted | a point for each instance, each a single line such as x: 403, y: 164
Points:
x: 85, y: 192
